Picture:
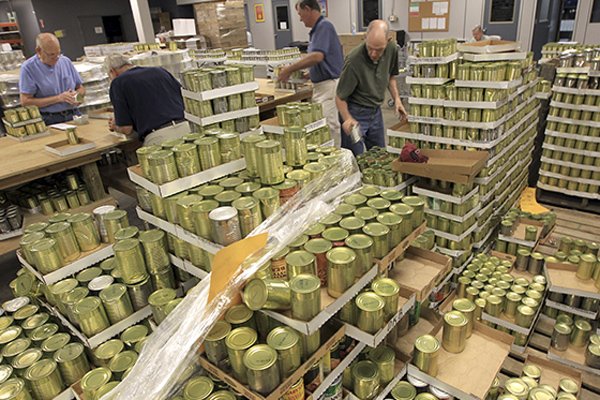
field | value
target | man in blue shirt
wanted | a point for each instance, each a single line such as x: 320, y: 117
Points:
x: 146, y: 100
x: 325, y: 59
x: 49, y: 81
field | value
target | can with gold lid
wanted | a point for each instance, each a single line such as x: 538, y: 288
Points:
x: 356, y: 200
x: 592, y: 355
x: 238, y: 341
x: 41, y: 333
x: 240, y: 316
x: 122, y: 362
x: 270, y: 162
x: 139, y: 293
x: 46, y: 255
x: 14, y: 389
x: 384, y: 357
x: 91, y: 316
x: 14, y: 348
x: 214, y: 344
x: 28, y: 326
x: 102, y: 354
x: 267, y: 294
x: 581, y: 333
x: 72, y: 362
x: 389, y: 291
x: 394, y: 223
x: 418, y: 206
x: 371, y: 312
x: 263, y: 374
x: 115, y: 220
x: 341, y: 270
x: 198, y: 388
x: 44, y: 379
x: 586, y: 266
x: 305, y: 296
x: 454, y: 335
x: 404, y: 391
x: 116, y: 302
x: 319, y: 248
x: 352, y: 224
x: 467, y: 308
x: 26, y: 359
x: 249, y: 214
x: 85, y: 230
x: 154, y: 245
x: 300, y: 262
x: 269, y: 200
x: 524, y: 316
x: 533, y: 371
x: 94, y: 380
x: 201, y: 221
x: 158, y: 300
x: 367, y: 214
x: 366, y: 379
x: 380, y: 235
x: 27, y: 241
x: 289, y: 349
x: 568, y: 385
x: 63, y: 234
x: 130, y: 261
x: 363, y: 248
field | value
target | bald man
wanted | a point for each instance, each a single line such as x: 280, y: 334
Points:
x: 369, y: 69
x: 49, y: 81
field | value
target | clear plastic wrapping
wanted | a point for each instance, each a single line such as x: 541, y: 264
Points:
x: 173, y: 348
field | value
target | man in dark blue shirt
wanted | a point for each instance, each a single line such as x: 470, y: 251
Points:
x: 325, y: 59
x: 146, y: 100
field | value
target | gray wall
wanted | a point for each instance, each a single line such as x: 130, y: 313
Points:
x: 64, y: 15
x: 183, y: 11
x: 27, y: 24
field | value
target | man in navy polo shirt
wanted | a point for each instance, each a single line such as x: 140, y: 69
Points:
x: 146, y: 100
x: 325, y: 59
x: 49, y: 81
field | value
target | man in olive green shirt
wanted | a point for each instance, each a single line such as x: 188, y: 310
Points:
x: 368, y: 70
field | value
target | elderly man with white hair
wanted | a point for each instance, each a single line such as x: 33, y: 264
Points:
x: 146, y: 100
x: 49, y: 81
x: 478, y: 34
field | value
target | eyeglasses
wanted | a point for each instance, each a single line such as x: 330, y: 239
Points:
x: 51, y: 55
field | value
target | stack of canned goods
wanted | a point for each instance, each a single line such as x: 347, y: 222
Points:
x: 553, y: 49
x: 415, y: 389
x: 261, y: 55
x: 209, y: 53
x: 38, y: 361
x: 434, y: 48
x: 488, y: 284
x: 544, y: 86
x: 295, y: 117
x: 371, y: 372
x: 376, y: 167
x: 529, y: 386
x: 295, y: 81
x: 335, y: 252
x: 23, y: 121
x: 516, y: 217
x: 56, y: 194
x: 142, y: 47
x: 577, y: 333
x: 11, y: 218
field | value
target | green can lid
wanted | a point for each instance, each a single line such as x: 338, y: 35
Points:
x: 43, y: 244
x: 499, y: 292
x: 57, y: 228
x: 594, y: 348
x: 55, y: 342
x: 5, y: 322
x: 205, y: 206
x: 115, y: 215
x: 27, y: 358
x: 345, y: 210
x: 413, y: 201
x: 113, y: 293
x: 43, y: 332
x: 455, y: 318
x: 404, y: 391
x: 227, y: 196
x: 382, y: 354
x: 286, y: 185
x: 315, y: 167
x: 64, y: 286
x: 331, y: 219
x: 335, y: 234
x: 525, y: 310
x: 516, y: 387
x: 352, y: 223
x: 40, y: 369
x: 385, y: 287
x: 88, y: 274
x: 463, y: 305
x: 128, y: 232
x: 341, y: 255
x: 524, y: 252
x: 123, y: 361
x: 105, y: 389
x: 300, y: 258
x: 537, y: 256
x: 370, y: 191
x: 238, y: 314
x: 15, y: 347
x: 366, y: 213
x: 379, y: 203
x: 375, y: 229
x: 36, y: 227
x: 318, y: 246
x: 583, y: 325
x: 260, y: 357
x: 370, y: 302
x: 247, y: 187
x: 244, y: 203
x: 108, y: 265
x: 87, y: 305
x: 359, y: 242
x: 5, y: 373
x: 241, y: 338
x: 134, y: 334
x: 198, y: 388
x: 299, y: 241
x: 305, y: 283
x: 30, y: 238
x: 588, y: 258
x: 69, y: 352
x: 389, y: 219
x: 11, y: 333
x: 210, y: 190
x: 595, y: 339
x: 108, y: 350
x: 266, y: 193
x: 191, y: 199
x: 283, y: 338
x: 255, y: 294
x: 25, y: 311
x: 60, y: 217
x: 75, y: 295
x: 33, y: 322
x: 151, y: 236
x: 298, y: 175
x: 272, y: 145
x: 315, y: 229
x: 392, y: 195
x: 126, y: 245
x: 281, y: 254
x: 95, y: 379
x: 365, y: 370
x: 219, y: 331
x: 161, y: 297
x: 404, y: 210
x: 355, y: 199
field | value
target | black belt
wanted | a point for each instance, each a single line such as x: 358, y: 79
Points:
x: 65, y: 112
x: 168, y: 124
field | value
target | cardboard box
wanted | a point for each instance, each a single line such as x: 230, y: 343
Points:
x: 448, y: 165
x: 553, y: 372
x: 562, y: 279
x: 420, y: 271
x: 428, y: 323
x: 386, y: 262
x: 489, y: 46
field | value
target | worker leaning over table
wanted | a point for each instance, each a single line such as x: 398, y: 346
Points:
x: 369, y: 69
x: 146, y: 101
x: 50, y: 81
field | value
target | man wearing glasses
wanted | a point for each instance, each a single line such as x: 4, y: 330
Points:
x: 369, y: 69
x: 49, y: 81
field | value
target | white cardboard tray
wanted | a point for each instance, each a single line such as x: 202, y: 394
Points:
x: 569, y: 106
x: 581, y: 138
x: 452, y: 216
x: 276, y: 129
x: 427, y: 81
x: 577, y: 311
x: 489, y: 84
x: 213, y: 119
x: 432, y: 60
x: 569, y: 164
x: 568, y: 178
x: 446, y: 197
x: 188, y: 267
x: 337, y: 371
x: 494, y: 56
x: 221, y: 92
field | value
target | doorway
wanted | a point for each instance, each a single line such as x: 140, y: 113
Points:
x: 282, y: 20
x: 501, y: 18
x: 113, y: 28
x: 547, y: 22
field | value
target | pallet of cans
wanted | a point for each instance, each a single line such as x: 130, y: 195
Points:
x: 295, y: 120
x: 523, y: 231
x: 504, y: 296
x: 209, y: 55
x: 376, y: 167
x: 570, y: 156
x: 24, y: 123
x: 253, y: 56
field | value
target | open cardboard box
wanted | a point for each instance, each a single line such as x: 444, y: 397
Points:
x: 428, y: 322
x: 553, y: 372
x: 62, y: 148
x: 562, y: 279
x: 573, y: 357
x: 333, y: 336
x: 400, y: 364
x: 386, y: 262
x: 489, y: 46
x: 522, y: 223
x: 448, y: 165
x: 420, y: 271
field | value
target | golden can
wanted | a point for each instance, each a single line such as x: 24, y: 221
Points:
x: 162, y: 166
x: 130, y: 261
x: 186, y: 159
x: 251, y: 153
x: 294, y: 139
x: 63, y: 234
x: 154, y: 244
x: 200, y: 212
x: 267, y: 294
x: 305, y: 296
x: 122, y: 362
x: 27, y: 242
x: 184, y: 211
x: 116, y: 302
x: 139, y: 293
x: 454, y: 335
x: 467, y: 308
x: 371, y: 312
x: 385, y: 358
x: 363, y: 247
x: 525, y: 316
x: 269, y: 200
x: 209, y: 151
x: 198, y: 388
x: 263, y: 375
x: 142, y: 155
x: 380, y: 235
x: 287, y: 344
x: 72, y: 362
x: 214, y: 344
x: 44, y: 379
x: 493, y: 306
x: 249, y: 214
x: 170, y: 206
x: 85, y: 230
x: 158, y: 301
x: 91, y: 316
x: 581, y: 333
x: 70, y: 299
x: 229, y: 146
x: 14, y: 348
x: 341, y: 270
x: 163, y: 279
x: 94, y: 380
x: 114, y: 221
x: 300, y: 262
x: 270, y: 162
x: 238, y: 341
x: 105, y: 352
x: 389, y: 291
x: 513, y: 300
x: 585, y: 269
x: 366, y: 380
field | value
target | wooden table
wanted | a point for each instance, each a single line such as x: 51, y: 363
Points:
x: 267, y: 88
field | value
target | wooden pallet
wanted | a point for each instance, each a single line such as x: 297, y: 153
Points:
x: 563, y: 200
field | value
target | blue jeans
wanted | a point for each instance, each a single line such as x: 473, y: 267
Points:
x: 58, y: 117
x: 371, y: 127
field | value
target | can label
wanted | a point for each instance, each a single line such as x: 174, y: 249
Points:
x: 286, y: 194
x: 321, y: 259
x: 296, y: 392
x: 279, y: 269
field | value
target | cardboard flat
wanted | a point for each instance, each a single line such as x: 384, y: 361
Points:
x: 400, y: 368
x: 518, y: 235
x: 420, y: 271
x: 573, y: 357
x: 553, y: 372
x: 428, y: 321
x: 62, y: 148
x: 562, y: 279
x: 386, y: 262
x: 489, y: 46
x: 450, y: 165
x: 287, y: 383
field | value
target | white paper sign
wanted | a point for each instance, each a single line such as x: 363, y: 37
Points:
x: 62, y: 127
x: 282, y: 26
x: 441, y: 23
x: 439, y: 8
x: 98, y: 29
x: 424, y: 23
x: 184, y: 27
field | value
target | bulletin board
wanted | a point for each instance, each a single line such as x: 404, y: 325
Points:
x: 428, y: 15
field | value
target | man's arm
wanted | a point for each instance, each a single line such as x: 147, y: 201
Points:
x: 306, y: 62
x: 80, y: 89
x: 393, y: 88
x: 347, y: 118
x: 65, y: 97
x: 126, y: 130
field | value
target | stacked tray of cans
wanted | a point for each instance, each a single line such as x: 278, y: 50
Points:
x: 296, y: 120
x: 376, y: 167
x: 571, y: 155
x: 521, y: 230
x: 252, y: 56
x: 24, y: 121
